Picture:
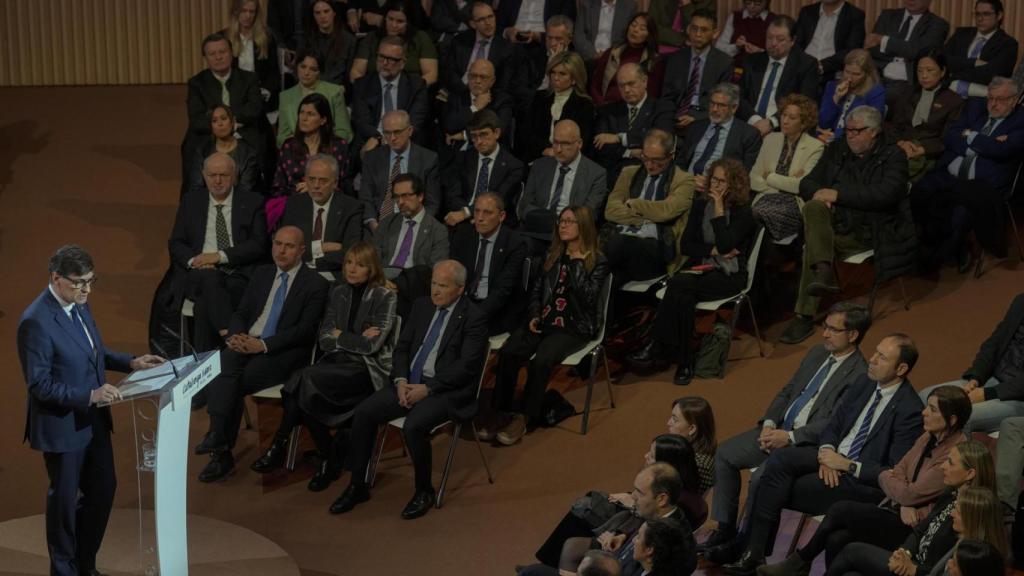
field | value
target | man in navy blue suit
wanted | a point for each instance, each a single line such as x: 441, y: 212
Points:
x: 64, y: 363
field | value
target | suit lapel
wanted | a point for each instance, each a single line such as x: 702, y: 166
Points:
x: 454, y: 325
x: 75, y: 332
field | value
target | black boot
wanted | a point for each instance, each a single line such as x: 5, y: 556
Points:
x: 644, y: 357
x: 326, y: 474
x: 684, y: 372
x: 273, y: 458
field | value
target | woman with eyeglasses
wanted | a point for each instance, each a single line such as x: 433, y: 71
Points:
x: 420, y: 52
x: 564, y: 314
x: 719, y: 235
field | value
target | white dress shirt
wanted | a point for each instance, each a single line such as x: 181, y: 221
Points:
x: 67, y: 310
x: 210, y: 237
x: 256, y: 330
x: 430, y: 363
x: 476, y: 176
x: 823, y: 43
x: 973, y: 88
x: 247, y: 54
x: 805, y: 413
x: 603, y: 40
x: 317, y: 246
x: 773, y: 106
x: 954, y: 166
x: 570, y: 177
x: 648, y: 229
x: 847, y: 443
x: 897, y: 69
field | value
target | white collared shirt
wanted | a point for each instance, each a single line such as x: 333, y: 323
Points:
x: 570, y: 177
x: 531, y: 16
x: 823, y: 43
x: 887, y: 396
x: 247, y: 54
x: 317, y: 246
x: 805, y: 413
x: 256, y: 330
x: 974, y: 89
x: 648, y: 229
x: 490, y: 171
x: 429, y: 364
x: 603, y: 40
x: 773, y: 106
x: 897, y: 69
x: 67, y: 310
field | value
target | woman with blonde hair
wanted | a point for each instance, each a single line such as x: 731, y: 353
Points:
x: 565, y: 99
x: 255, y: 48
x: 859, y: 85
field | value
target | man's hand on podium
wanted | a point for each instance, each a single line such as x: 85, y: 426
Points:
x: 146, y: 361
x: 104, y: 395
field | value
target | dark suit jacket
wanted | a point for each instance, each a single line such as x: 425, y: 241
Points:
x: 368, y: 103
x: 717, y: 69
x: 506, y: 297
x: 589, y: 187
x: 344, y: 223
x: 945, y: 109
x: 828, y: 396
x: 460, y: 357
x: 502, y: 53
x: 248, y: 230
x: 799, y: 75
x: 992, y: 351
x: 850, y: 33
x: 377, y: 170
x: 614, y: 119
x: 589, y: 18
x: 431, y: 244
x: 997, y: 161
x: 999, y: 54
x: 506, y: 178
x: 929, y: 32
x: 446, y: 17
x: 300, y: 316
x: 534, y: 135
x: 893, y: 434
x: 267, y: 70
x: 743, y: 143
x: 204, y: 93
x: 508, y: 10
x: 61, y: 369
x: 457, y: 113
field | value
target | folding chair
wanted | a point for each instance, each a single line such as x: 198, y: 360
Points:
x: 860, y: 258
x: 498, y: 340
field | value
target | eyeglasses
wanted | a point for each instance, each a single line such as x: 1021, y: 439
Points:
x: 829, y: 329
x: 856, y: 131
x: 389, y: 59
x: 483, y: 18
x: 406, y: 195
x: 80, y: 283
x: 567, y: 221
x: 713, y: 104
x: 654, y: 160
x: 316, y: 181
x: 394, y: 133
x: 1001, y: 98
x: 716, y: 181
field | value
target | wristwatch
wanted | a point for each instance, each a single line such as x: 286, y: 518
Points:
x: 852, y: 468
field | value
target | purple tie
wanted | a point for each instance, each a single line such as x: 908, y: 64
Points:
x: 406, y: 247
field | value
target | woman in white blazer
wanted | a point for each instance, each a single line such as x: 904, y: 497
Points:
x: 785, y: 158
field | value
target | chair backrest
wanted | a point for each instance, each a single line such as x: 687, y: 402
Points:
x: 527, y: 264
x: 603, y: 299
x: 483, y: 370
x: 752, y: 260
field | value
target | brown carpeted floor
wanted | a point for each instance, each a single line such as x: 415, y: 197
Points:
x: 99, y: 166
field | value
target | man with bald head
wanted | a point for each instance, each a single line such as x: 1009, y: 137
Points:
x: 374, y: 95
x: 482, y: 95
x: 435, y: 370
x: 269, y: 336
x: 481, y: 42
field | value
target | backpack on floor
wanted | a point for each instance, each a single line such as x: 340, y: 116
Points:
x: 714, y: 352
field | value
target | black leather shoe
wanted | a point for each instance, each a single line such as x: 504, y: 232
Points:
x: 644, y: 358
x: 717, y: 537
x: 420, y: 504
x: 323, y: 477
x: 210, y: 443
x: 684, y: 374
x: 273, y: 458
x: 724, y: 553
x: 745, y: 566
x: 221, y: 465
x: 353, y: 495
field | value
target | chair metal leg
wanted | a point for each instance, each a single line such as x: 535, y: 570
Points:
x: 757, y: 331
x: 979, y: 266
x: 293, y: 447
x: 371, y: 472
x: 182, y: 327
x: 480, y: 448
x: 590, y: 392
x: 448, y: 464
x: 608, y: 377
x: 1016, y: 233
x: 796, y: 535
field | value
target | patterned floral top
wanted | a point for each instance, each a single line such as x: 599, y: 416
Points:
x: 553, y: 315
x: 291, y: 164
x: 706, y: 470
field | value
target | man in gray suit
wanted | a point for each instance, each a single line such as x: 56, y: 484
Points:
x: 796, y: 416
x: 410, y: 242
x: 901, y: 36
x: 601, y: 24
x: 567, y: 177
x: 384, y: 163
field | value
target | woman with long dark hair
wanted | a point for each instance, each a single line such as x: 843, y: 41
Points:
x: 693, y: 419
x: 222, y: 139
x: 420, y: 52
x: 639, y: 45
x: 329, y: 38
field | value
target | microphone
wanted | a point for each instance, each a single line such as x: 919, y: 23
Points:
x: 178, y: 337
x: 158, y: 348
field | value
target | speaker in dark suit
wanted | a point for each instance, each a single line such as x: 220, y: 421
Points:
x: 368, y: 106
x: 435, y: 372
x: 271, y: 334
x: 769, y: 76
x: 485, y: 166
x: 482, y: 42
x: 975, y: 56
x: 819, y: 20
x: 64, y: 363
x: 899, y: 38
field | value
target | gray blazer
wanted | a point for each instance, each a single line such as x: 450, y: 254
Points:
x: 929, y: 32
x: 589, y: 187
x: 431, y: 244
x: 377, y: 309
x: 587, y: 20
x: 828, y: 397
x: 377, y: 170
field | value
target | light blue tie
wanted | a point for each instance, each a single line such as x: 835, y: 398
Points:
x: 769, y: 89
x: 865, y: 428
x: 809, y: 391
x: 275, y: 308
x: 416, y: 371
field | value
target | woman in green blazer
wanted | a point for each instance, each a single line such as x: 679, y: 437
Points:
x: 308, y: 71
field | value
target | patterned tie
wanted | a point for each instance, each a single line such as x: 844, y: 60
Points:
x: 705, y: 156
x: 482, y: 179
x: 479, y: 272
x: 865, y: 428
x: 809, y: 392
x: 270, y: 328
x: 970, y: 156
x: 403, y: 251
x: 633, y: 111
x: 769, y: 89
x: 691, y: 87
x: 225, y: 96
x: 221, y: 226
x: 77, y: 318
x: 318, y: 225
x: 416, y: 371
x: 387, y: 206
x: 389, y: 104
x: 557, y: 195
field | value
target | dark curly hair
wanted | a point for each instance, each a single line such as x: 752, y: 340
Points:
x: 666, y: 538
x: 808, y: 109
x: 737, y: 180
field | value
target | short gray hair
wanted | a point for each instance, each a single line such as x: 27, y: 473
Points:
x: 730, y: 90
x: 869, y: 115
x: 206, y: 161
x: 1004, y: 81
x: 458, y: 270
x: 560, y: 20
x: 661, y: 138
x: 327, y: 159
x: 400, y: 114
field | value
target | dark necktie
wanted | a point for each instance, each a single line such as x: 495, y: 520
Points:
x: 633, y: 110
x: 705, y: 156
x: 809, y: 391
x: 691, y: 87
x: 416, y: 371
x: 649, y: 193
x: 557, y: 195
x: 479, y: 272
x: 905, y: 28
x: 387, y: 207
x: 769, y: 89
x: 389, y: 104
x: 482, y: 179
x: 221, y: 226
x: 406, y: 248
x: 270, y: 328
x: 862, y: 435
x: 76, y: 317
x: 318, y: 225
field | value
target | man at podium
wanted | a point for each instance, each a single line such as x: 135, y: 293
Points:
x: 64, y: 364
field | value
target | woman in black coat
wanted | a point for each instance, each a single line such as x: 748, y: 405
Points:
x: 565, y: 99
x: 222, y: 139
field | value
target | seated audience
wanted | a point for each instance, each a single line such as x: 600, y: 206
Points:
x: 399, y: 155
x: 827, y: 31
x: 857, y: 86
x: 995, y: 380
x: 331, y: 41
x: 523, y: 20
x: 435, y: 372
x: 330, y: 222
x: 536, y: 53
x: 391, y: 89
x: 564, y: 314
x: 267, y: 339
x: 460, y: 108
x: 649, y: 206
x: 967, y: 189
x: 979, y: 53
x: 717, y: 240
x: 718, y: 136
x: 365, y: 16
x: 448, y: 18
x: 875, y: 425
x: 565, y: 99
x: 579, y: 181
x: 493, y: 255
x: 307, y: 70
x: 623, y: 125
x: 855, y: 200
x: 746, y: 31
x: 254, y: 47
x: 410, y: 242
x: 248, y: 175
x: 420, y: 52
x: 797, y: 415
x: 487, y: 166
x: 599, y: 23
x: 481, y: 42
x: 899, y: 37
x: 638, y: 45
x: 771, y: 75
x: 662, y: 547
x: 693, y: 419
x: 920, y: 492
x: 785, y: 158
x: 599, y: 563
x: 921, y: 120
x: 696, y: 68
x: 1010, y: 458
x: 672, y: 17
x: 975, y: 558
x: 356, y: 338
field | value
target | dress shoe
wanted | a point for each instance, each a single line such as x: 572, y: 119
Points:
x: 684, y: 374
x: 273, y: 458
x: 222, y: 464
x: 717, y: 537
x: 746, y: 566
x: 799, y: 329
x: 513, y: 431
x: 210, y: 443
x: 646, y: 357
x: 326, y: 474
x: 793, y: 565
x: 724, y: 553
x: 420, y: 504
x: 823, y: 282
x: 353, y: 495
